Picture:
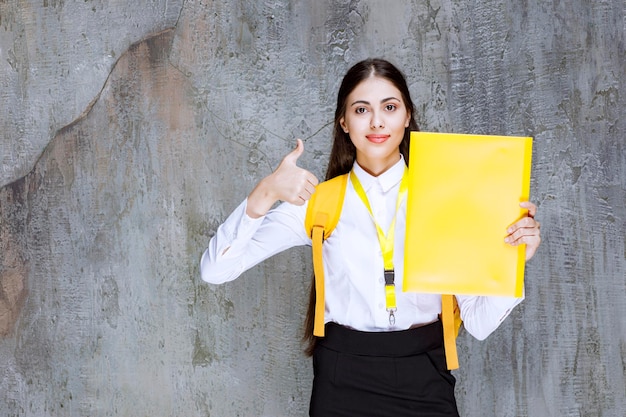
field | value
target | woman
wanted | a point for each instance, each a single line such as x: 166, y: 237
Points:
x: 367, y: 364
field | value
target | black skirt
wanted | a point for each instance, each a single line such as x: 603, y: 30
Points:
x: 382, y: 374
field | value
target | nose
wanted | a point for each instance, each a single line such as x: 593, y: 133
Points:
x: 377, y: 121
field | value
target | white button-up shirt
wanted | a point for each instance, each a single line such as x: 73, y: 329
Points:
x: 353, y: 262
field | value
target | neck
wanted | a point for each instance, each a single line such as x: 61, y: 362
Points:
x: 378, y: 166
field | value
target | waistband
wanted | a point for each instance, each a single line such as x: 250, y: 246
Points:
x: 392, y: 344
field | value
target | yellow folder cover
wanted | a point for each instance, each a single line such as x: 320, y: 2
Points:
x: 464, y: 191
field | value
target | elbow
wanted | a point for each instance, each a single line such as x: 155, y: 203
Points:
x: 480, y: 335
x: 209, y: 273
x: 483, y: 315
x: 207, y: 277
x: 210, y: 277
x: 479, y: 331
x: 214, y: 272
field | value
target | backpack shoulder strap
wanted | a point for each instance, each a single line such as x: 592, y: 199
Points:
x: 325, y: 205
x: 451, y: 321
x: 322, y: 215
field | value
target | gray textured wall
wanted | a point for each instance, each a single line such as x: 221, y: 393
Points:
x: 131, y: 129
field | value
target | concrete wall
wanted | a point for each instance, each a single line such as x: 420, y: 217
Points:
x: 131, y: 129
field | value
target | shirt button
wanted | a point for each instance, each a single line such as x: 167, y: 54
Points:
x: 381, y: 280
x: 380, y: 305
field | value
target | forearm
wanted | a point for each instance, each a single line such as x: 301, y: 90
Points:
x: 261, y: 199
x: 223, y: 259
x: 242, y: 242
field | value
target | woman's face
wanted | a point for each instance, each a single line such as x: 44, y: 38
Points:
x: 375, y: 120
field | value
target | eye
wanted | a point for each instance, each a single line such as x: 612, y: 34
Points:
x: 360, y: 110
x: 390, y: 107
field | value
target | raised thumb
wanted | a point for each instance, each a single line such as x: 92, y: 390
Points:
x: 295, y: 154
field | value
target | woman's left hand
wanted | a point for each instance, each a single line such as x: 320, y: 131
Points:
x: 526, y: 231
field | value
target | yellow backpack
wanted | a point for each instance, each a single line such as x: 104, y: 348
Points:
x: 321, y: 218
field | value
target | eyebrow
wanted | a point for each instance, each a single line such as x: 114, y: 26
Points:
x: 368, y: 103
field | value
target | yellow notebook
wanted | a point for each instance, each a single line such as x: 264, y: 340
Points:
x: 464, y: 192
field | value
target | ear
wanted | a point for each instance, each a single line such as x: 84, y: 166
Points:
x: 408, y: 120
x: 342, y: 123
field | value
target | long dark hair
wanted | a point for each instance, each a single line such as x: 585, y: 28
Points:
x: 343, y: 152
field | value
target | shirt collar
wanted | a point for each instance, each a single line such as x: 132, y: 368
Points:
x: 387, y: 179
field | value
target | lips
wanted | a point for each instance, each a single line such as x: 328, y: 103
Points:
x: 377, y: 138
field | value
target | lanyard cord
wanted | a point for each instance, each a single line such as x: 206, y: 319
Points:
x: 385, y: 240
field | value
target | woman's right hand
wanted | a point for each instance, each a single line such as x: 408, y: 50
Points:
x: 288, y: 183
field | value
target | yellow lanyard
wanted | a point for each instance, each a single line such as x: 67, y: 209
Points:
x: 385, y: 240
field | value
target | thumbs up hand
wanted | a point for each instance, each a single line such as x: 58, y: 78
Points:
x: 288, y: 183
x: 292, y: 183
